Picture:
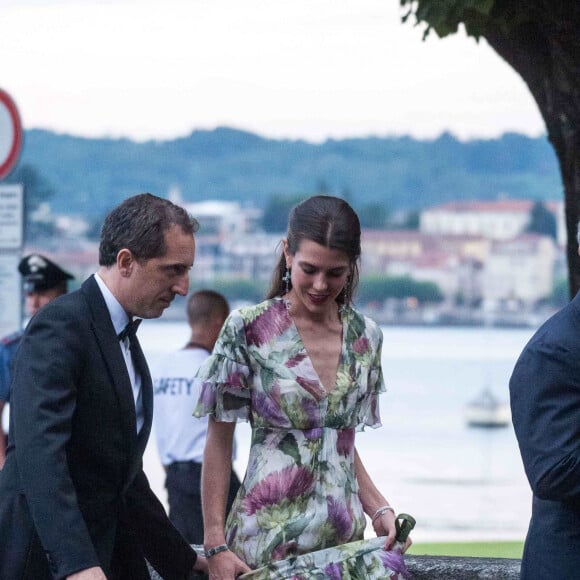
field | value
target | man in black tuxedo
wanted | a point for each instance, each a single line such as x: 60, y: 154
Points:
x: 74, y: 500
x: 545, y: 402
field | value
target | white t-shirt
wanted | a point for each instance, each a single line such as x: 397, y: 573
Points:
x: 180, y: 436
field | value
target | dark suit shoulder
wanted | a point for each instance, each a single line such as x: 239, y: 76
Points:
x: 561, y: 330
x: 67, y: 307
x: 67, y: 319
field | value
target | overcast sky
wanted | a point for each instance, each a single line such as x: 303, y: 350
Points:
x: 309, y: 69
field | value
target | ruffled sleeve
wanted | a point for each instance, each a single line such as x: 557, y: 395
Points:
x: 369, y: 411
x: 225, y: 376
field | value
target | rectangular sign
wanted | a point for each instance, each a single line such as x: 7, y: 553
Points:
x: 10, y: 307
x: 11, y: 234
x: 11, y: 217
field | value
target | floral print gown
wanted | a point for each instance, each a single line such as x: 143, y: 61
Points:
x: 299, y: 496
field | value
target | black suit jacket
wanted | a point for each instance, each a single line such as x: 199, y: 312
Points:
x: 73, y: 493
x: 545, y: 402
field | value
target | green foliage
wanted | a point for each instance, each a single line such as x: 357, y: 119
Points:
x: 512, y: 549
x: 37, y: 190
x: 560, y: 293
x: 275, y: 218
x: 477, y: 16
x: 379, y: 288
x: 411, y: 221
x: 373, y: 216
x: 445, y: 16
x: 371, y: 289
x: 235, y: 289
x: 95, y: 224
x: 542, y: 221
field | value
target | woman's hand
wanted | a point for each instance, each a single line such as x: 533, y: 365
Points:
x: 226, y: 566
x: 384, y: 525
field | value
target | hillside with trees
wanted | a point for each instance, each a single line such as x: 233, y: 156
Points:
x: 380, y: 176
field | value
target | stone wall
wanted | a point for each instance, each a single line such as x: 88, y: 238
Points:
x: 453, y: 568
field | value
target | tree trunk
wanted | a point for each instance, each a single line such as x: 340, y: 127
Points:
x: 544, y: 48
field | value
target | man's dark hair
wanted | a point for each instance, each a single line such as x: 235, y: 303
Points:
x: 139, y: 225
x: 204, y: 305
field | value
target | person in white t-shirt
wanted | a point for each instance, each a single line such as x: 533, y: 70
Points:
x: 180, y: 436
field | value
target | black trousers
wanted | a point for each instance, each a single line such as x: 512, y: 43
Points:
x: 183, y: 485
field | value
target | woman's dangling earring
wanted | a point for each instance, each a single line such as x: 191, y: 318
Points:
x: 286, y: 279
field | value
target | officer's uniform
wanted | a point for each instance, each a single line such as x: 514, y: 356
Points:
x: 38, y: 274
x: 8, y: 346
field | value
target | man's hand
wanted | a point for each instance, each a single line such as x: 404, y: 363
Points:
x: 95, y: 573
x: 201, y: 564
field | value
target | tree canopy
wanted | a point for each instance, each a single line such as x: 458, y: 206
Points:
x: 379, y: 288
x: 542, y: 221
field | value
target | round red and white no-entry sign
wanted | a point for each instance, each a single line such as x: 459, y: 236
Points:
x: 10, y: 134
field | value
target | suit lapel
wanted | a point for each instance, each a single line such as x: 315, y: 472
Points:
x: 108, y: 344
x: 113, y: 357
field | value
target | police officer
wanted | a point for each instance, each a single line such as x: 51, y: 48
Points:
x: 43, y: 281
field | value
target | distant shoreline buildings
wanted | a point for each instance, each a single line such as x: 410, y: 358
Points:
x: 488, y: 267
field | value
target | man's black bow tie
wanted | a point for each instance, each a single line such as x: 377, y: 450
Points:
x: 130, y: 330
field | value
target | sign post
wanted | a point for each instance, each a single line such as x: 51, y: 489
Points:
x: 11, y: 217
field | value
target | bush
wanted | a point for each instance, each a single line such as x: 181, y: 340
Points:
x: 379, y: 288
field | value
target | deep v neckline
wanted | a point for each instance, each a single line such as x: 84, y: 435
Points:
x: 324, y: 392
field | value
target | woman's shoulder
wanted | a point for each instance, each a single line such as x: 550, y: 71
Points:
x: 251, y: 312
x: 259, y: 324
x: 362, y: 323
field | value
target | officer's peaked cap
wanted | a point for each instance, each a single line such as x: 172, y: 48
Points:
x: 40, y: 273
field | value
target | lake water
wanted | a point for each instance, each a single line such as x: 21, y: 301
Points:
x: 459, y: 483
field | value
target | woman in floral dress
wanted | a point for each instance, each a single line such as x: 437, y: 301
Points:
x: 304, y: 367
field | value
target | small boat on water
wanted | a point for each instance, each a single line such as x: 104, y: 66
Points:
x: 487, y: 411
